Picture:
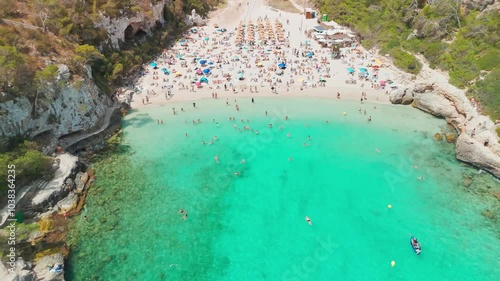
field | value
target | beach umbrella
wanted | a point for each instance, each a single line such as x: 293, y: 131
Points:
x: 198, y: 84
x: 178, y: 74
x: 382, y: 83
x: 202, y: 62
x: 199, y: 71
x: 363, y: 69
x: 375, y: 66
x: 350, y: 69
x: 153, y: 64
x: 282, y: 65
x: 206, y: 70
x: 204, y: 80
x: 206, y: 38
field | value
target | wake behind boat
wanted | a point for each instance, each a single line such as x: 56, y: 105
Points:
x: 415, y: 245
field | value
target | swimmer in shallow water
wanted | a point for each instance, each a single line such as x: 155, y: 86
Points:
x: 290, y: 158
x: 308, y: 220
x: 378, y: 150
x: 216, y: 158
x: 420, y: 178
x: 242, y: 161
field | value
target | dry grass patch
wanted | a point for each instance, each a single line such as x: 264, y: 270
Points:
x: 283, y: 5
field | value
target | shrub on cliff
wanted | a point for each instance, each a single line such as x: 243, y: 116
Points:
x: 30, y: 164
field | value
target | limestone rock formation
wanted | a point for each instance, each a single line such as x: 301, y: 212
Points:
x: 194, y: 19
x: 43, y: 272
x: 472, y: 151
x: 22, y: 272
x: 438, y: 105
x: 131, y: 26
x: 401, y: 96
x: 71, y: 108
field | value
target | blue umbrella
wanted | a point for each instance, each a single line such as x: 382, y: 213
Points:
x: 179, y: 56
x: 363, y: 70
x: 203, y: 80
x: 350, y: 69
x: 210, y: 63
x: 282, y: 65
x: 153, y: 64
x: 206, y: 71
x: 310, y: 55
x: 206, y: 38
x: 203, y: 62
x: 164, y: 69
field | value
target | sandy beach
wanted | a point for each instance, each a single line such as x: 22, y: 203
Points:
x: 252, y: 70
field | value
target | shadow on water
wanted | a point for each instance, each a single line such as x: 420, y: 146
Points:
x: 138, y: 120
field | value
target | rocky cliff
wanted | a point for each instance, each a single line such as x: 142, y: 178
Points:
x: 477, y: 143
x: 133, y: 25
x: 72, y: 106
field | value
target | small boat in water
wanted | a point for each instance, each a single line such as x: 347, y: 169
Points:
x: 415, y: 245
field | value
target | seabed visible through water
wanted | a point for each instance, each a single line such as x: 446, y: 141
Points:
x: 251, y: 226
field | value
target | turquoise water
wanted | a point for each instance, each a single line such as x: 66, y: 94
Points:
x: 252, y: 226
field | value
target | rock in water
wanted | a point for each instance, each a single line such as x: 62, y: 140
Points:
x: 467, y: 181
x: 451, y: 138
x: 472, y: 151
x: 438, y: 137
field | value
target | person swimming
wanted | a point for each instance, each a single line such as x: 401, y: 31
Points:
x: 243, y: 161
x: 216, y: 158
x: 378, y: 150
x: 203, y: 142
x: 308, y: 220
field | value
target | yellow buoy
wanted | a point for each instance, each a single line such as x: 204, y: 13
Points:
x: 393, y: 263
x: 345, y: 113
x: 389, y: 206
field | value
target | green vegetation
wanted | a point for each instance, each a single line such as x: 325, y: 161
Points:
x: 65, y: 32
x: 467, y: 46
x: 30, y: 164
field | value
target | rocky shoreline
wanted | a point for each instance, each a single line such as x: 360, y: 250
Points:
x: 477, y: 142
x: 45, y: 246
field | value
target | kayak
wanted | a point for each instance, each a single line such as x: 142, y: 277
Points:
x: 416, y: 246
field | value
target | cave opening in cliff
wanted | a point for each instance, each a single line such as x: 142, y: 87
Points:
x: 132, y: 33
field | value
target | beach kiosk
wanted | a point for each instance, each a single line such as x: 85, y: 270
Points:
x: 309, y: 13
